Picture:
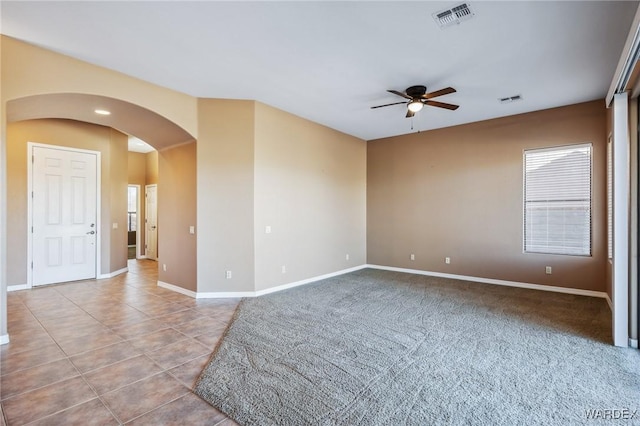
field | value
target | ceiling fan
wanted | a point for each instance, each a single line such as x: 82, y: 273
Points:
x: 418, y: 97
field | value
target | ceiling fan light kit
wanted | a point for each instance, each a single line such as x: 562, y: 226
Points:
x: 415, y: 106
x: 418, y: 97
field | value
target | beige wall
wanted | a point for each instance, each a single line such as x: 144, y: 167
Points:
x: 225, y: 195
x: 152, y: 167
x: 113, y: 148
x: 457, y: 192
x: 176, y: 213
x: 310, y: 188
x: 23, y: 75
x: 137, y: 168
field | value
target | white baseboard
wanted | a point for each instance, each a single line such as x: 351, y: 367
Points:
x: 141, y: 257
x: 609, y: 302
x: 308, y: 280
x: 17, y: 287
x: 4, y: 339
x: 227, y: 294
x: 567, y: 290
x: 177, y: 289
x: 113, y: 274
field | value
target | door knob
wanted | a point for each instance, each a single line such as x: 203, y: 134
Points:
x: 153, y: 227
x: 91, y: 232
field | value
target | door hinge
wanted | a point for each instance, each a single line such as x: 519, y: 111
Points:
x: 33, y: 159
x: 32, y: 194
x: 31, y: 265
x: 32, y: 229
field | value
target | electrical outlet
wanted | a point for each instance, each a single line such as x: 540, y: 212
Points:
x: 228, y: 275
x: 192, y: 229
x: 347, y: 257
x: 164, y: 267
x: 413, y: 256
x: 447, y: 260
x: 267, y: 229
x: 547, y: 270
x: 284, y: 269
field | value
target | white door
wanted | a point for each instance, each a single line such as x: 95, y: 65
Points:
x: 151, y: 212
x: 64, y: 215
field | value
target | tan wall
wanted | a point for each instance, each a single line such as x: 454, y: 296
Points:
x: 310, y: 188
x: 225, y: 195
x: 457, y: 192
x: 23, y: 75
x: 3, y: 208
x: 152, y: 168
x: 137, y: 168
x: 113, y: 148
x: 177, y: 212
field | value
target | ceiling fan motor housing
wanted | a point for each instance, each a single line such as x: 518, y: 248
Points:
x: 416, y: 91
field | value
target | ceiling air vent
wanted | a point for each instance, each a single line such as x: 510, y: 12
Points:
x: 510, y: 99
x: 455, y: 15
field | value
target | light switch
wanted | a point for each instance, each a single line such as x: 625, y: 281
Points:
x: 115, y: 225
x: 267, y: 229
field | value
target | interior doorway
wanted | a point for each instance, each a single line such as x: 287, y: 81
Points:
x: 151, y: 221
x: 133, y: 215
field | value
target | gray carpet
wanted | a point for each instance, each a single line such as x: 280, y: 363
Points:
x: 385, y: 348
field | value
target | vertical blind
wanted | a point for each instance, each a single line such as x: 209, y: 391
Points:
x: 557, y: 200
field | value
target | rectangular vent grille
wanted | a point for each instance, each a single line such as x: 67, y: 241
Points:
x: 510, y: 99
x: 453, y: 16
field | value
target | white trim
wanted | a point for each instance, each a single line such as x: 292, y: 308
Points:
x: 308, y: 280
x: 98, y: 154
x: 633, y: 343
x: 113, y: 274
x: 4, y: 339
x: 620, y: 285
x: 530, y: 286
x: 609, y: 302
x: 142, y: 256
x: 177, y: 289
x: 17, y: 287
x: 627, y: 60
x: 226, y: 294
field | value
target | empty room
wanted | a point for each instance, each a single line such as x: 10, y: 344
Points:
x: 319, y: 213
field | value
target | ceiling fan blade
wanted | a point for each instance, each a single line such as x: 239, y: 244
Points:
x: 442, y: 105
x: 409, y: 114
x: 404, y: 95
x: 386, y: 105
x: 441, y: 92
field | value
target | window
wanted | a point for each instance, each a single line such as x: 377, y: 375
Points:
x: 132, y: 208
x: 557, y: 200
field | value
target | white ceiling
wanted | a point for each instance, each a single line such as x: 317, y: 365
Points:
x: 331, y: 61
x: 138, y: 145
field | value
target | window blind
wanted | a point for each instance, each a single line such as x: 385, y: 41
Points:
x: 557, y: 200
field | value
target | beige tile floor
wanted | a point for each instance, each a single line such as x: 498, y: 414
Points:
x: 103, y: 352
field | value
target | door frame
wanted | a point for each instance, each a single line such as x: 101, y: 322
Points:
x: 30, y: 146
x: 138, y: 208
x: 146, y: 213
